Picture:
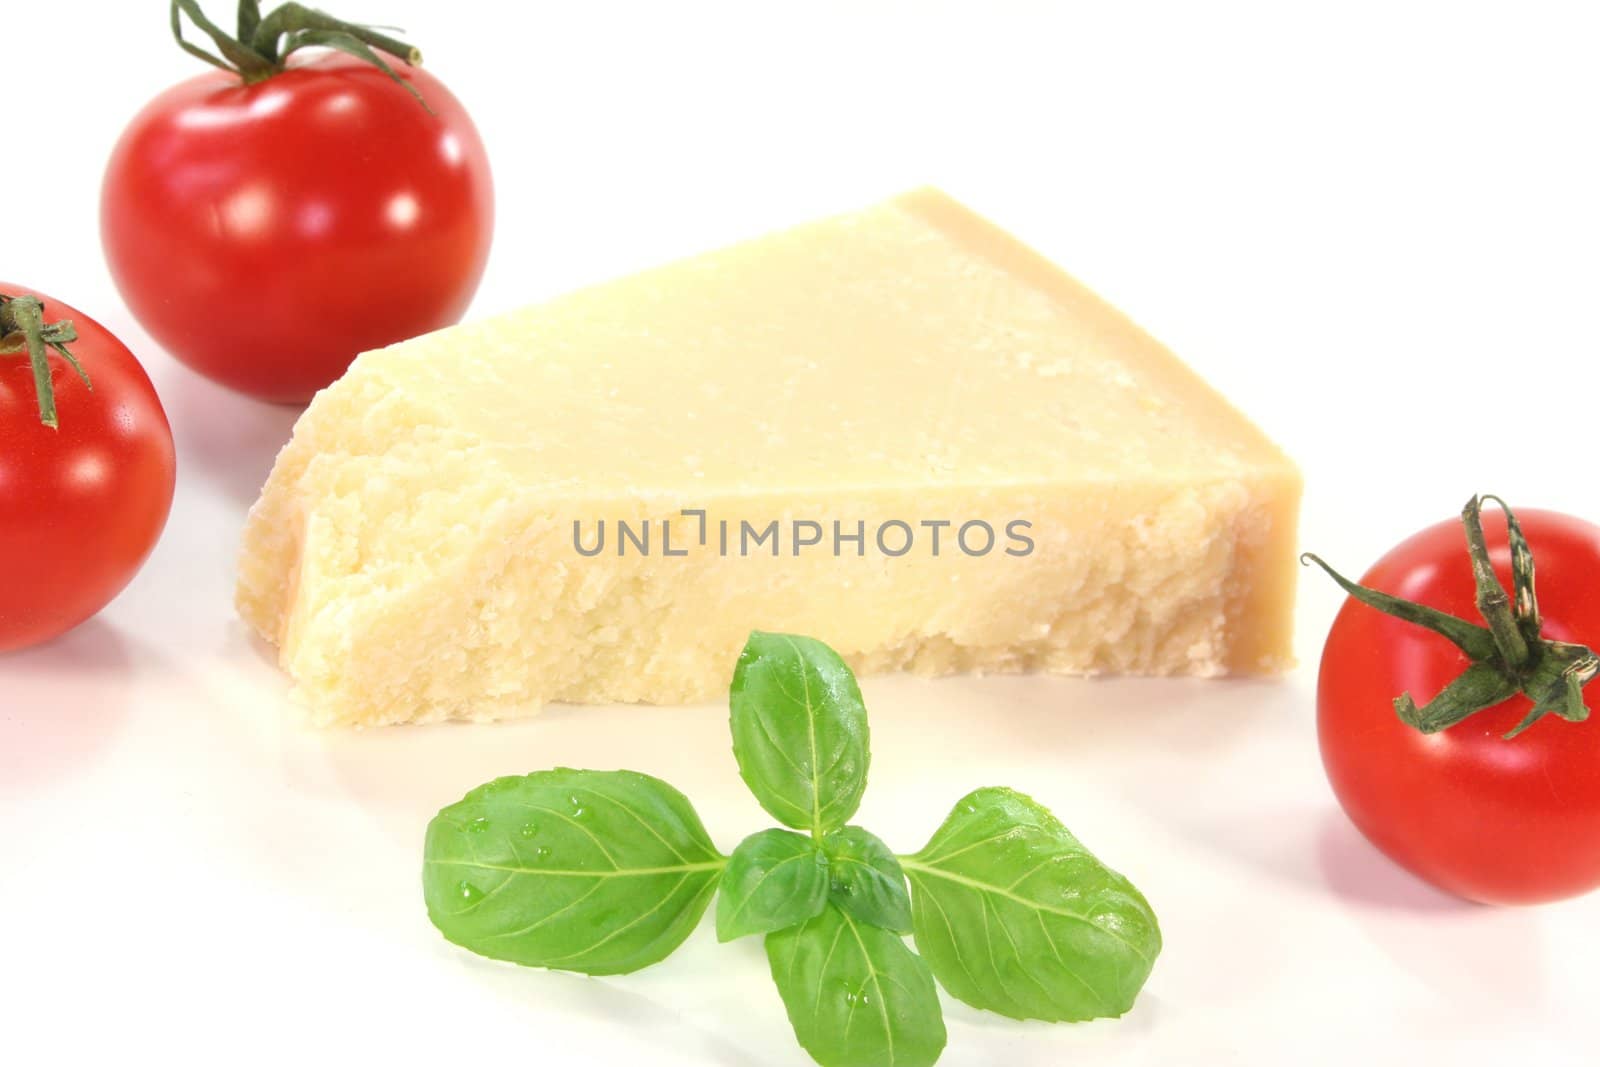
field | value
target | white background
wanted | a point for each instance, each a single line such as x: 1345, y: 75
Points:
x: 1373, y: 226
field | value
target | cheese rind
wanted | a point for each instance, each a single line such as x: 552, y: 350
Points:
x: 415, y: 552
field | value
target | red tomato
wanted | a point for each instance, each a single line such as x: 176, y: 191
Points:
x: 1494, y: 820
x: 266, y: 234
x: 80, y: 506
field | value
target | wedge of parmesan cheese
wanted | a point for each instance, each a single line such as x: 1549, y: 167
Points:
x: 898, y: 430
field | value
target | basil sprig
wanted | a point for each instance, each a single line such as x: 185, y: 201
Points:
x: 605, y: 872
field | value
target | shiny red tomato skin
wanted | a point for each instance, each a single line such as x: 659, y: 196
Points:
x: 80, y: 506
x: 1491, y: 820
x: 266, y: 234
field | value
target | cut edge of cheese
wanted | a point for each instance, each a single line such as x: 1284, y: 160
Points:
x: 407, y: 573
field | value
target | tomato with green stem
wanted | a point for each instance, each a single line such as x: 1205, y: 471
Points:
x: 307, y: 201
x: 1490, y: 789
x: 86, y: 467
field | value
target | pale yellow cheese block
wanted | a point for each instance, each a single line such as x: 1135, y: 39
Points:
x: 414, y: 555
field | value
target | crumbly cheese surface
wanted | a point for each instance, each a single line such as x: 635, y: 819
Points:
x: 770, y: 424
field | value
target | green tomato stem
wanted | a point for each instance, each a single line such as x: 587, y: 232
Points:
x: 292, y: 18
x: 1494, y: 603
x: 23, y: 329
x: 263, y: 43
x: 1509, y: 655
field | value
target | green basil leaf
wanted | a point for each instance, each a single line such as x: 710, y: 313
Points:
x: 602, y: 872
x: 1015, y: 916
x: 867, y: 880
x: 855, y: 994
x: 799, y: 731
x: 774, y: 879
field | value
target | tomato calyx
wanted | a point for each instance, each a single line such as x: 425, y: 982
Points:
x: 1509, y: 655
x: 263, y: 43
x: 24, y: 331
